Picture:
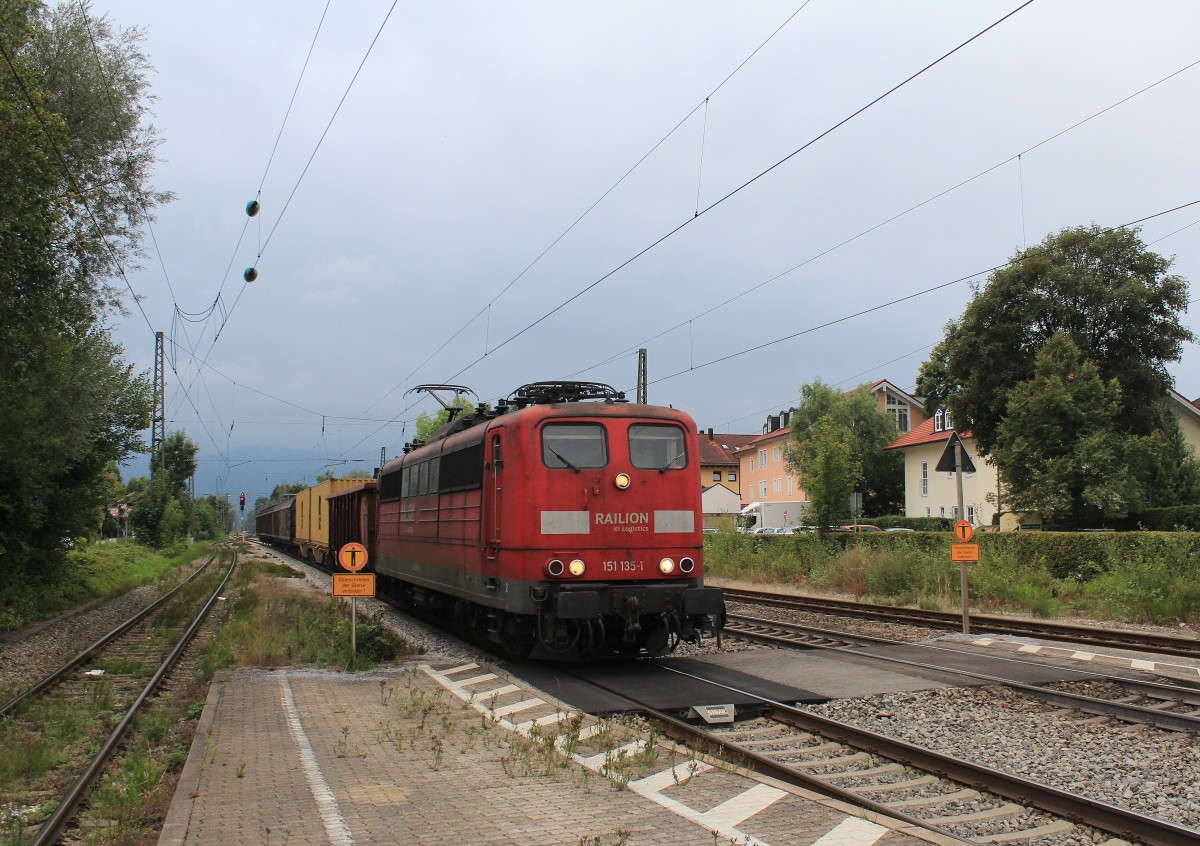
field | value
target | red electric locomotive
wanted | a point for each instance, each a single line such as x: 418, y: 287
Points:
x: 563, y: 523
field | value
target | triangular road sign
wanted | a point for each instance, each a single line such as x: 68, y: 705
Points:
x: 946, y: 462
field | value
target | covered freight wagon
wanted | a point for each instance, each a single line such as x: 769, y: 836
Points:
x: 312, y: 520
x: 352, y: 518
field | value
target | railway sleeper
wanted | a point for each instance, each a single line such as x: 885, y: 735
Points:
x: 924, y: 801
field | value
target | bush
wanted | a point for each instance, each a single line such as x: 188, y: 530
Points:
x: 1145, y: 576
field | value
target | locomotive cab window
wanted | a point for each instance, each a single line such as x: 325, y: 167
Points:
x: 574, y: 445
x: 657, y: 447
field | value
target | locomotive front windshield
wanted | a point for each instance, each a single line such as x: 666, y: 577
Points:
x: 657, y: 447
x: 574, y: 445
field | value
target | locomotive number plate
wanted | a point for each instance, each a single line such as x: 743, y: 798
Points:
x: 621, y: 566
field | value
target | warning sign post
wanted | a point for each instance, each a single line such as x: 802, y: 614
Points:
x: 353, y: 556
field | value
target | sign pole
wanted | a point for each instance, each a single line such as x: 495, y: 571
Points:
x: 962, y: 515
x: 353, y: 556
x: 354, y: 615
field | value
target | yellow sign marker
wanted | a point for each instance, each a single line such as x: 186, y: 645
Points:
x: 353, y: 584
x: 964, y: 531
x: 964, y: 552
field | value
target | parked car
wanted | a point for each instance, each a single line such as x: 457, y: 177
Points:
x: 899, y: 529
x: 861, y: 528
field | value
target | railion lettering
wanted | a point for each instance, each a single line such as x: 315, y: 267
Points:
x: 627, y: 518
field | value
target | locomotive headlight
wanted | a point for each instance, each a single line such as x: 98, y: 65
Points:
x: 555, y: 568
x: 577, y: 567
x: 666, y: 566
x: 622, y: 481
x: 686, y: 565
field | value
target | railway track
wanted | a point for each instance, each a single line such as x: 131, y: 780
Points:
x: 1164, y: 706
x: 1071, y: 633
x: 943, y: 793
x: 116, y: 676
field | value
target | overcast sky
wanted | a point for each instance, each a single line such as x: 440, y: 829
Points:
x: 476, y: 134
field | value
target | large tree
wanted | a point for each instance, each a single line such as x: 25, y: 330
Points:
x: 828, y: 470
x: 74, y: 153
x: 1061, y: 453
x: 869, y: 429
x: 162, y: 511
x: 1114, y: 299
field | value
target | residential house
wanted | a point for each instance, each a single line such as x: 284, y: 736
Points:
x: 908, y: 411
x: 720, y: 473
x: 765, y: 475
x: 1189, y: 419
x: 928, y: 493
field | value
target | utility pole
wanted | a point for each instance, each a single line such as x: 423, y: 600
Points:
x: 641, y: 379
x: 158, y: 418
x: 958, y: 474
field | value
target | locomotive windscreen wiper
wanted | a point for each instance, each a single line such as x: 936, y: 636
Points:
x: 554, y: 452
x: 667, y: 466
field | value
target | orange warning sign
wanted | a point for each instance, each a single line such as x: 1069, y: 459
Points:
x: 353, y: 556
x: 964, y: 531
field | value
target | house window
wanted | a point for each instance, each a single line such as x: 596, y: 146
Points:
x: 762, y: 458
x: 779, y: 486
x: 732, y: 476
x: 925, y: 479
x: 762, y: 489
x: 776, y: 453
x: 789, y: 478
x: 942, y: 511
x: 971, y: 513
x: 946, y: 422
x: 937, y: 420
x: 898, y: 408
x: 928, y: 511
x: 716, y: 475
x: 954, y: 512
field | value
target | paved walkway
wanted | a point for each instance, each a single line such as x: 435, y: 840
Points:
x: 460, y: 756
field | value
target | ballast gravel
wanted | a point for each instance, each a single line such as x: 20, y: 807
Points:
x: 1145, y: 769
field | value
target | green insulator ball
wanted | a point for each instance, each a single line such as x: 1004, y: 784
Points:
x: 250, y: 275
x: 252, y: 208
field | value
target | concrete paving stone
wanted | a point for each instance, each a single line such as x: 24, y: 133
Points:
x: 351, y: 740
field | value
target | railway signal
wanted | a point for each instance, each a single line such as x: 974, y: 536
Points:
x: 243, y: 501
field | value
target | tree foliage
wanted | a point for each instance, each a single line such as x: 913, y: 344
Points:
x: 1061, y: 453
x: 825, y: 459
x: 1071, y: 342
x: 163, y: 509
x: 428, y: 424
x: 869, y: 429
x: 1104, y: 290
x: 75, y: 151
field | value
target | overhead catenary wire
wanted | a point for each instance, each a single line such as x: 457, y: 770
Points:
x: 1016, y: 157
x: 589, y: 210
x: 731, y: 193
x: 907, y: 297
x: 760, y: 175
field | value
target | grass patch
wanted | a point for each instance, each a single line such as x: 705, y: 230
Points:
x: 274, y: 624
x: 92, y: 574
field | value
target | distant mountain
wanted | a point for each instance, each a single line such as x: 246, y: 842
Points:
x: 255, y: 470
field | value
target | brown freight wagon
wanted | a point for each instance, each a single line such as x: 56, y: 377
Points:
x: 352, y: 519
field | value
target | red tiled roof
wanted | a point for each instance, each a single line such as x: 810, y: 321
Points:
x: 720, y: 449
x: 756, y: 440
x: 923, y: 434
